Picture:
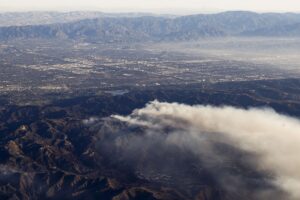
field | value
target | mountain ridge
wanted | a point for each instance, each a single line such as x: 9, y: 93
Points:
x: 162, y: 28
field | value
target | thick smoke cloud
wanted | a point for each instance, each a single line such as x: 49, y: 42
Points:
x: 253, y: 153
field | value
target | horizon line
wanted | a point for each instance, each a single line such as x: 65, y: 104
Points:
x: 145, y: 12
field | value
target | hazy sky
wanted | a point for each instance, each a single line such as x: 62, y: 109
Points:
x: 156, y: 6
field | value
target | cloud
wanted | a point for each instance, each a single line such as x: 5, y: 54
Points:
x: 250, y: 153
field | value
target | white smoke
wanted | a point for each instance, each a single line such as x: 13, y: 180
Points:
x: 90, y: 121
x: 273, y: 137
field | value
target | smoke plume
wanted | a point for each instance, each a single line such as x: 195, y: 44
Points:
x: 251, y: 153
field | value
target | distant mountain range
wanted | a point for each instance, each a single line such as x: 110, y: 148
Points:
x: 96, y: 26
x: 40, y: 18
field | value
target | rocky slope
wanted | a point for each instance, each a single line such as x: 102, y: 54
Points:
x: 59, y: 150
